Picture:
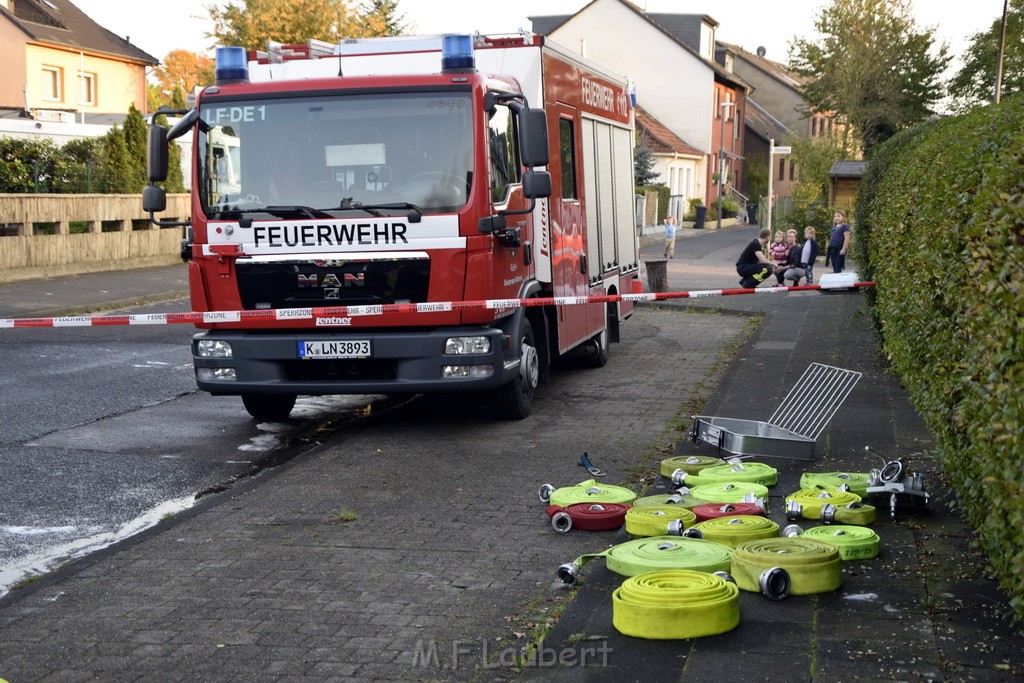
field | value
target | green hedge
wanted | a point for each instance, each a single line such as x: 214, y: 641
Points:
x: 941, y: 232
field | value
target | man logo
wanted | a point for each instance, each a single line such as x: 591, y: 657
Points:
x: 330, y: 280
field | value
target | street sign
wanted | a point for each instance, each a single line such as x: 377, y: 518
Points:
x: 782, y: 150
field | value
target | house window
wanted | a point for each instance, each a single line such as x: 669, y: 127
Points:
x: 51, y: 84
x: 729, y: 109
x: 792, y: 171
x: 86, y: 88
x: 782, y: 169
x: 738, y: 126
x: 814, y: 126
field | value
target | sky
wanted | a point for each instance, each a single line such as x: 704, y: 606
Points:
x: 181, y: 24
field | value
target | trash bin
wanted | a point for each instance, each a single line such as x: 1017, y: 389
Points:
x: 752, y: 213
x: 702, y: 212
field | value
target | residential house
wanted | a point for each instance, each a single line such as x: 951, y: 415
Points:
x: 674, y: 159
x: 680, y: 87
x: 60, y: 66
x: 776, y: 108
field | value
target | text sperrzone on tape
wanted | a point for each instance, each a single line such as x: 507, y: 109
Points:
x: 193, y: 318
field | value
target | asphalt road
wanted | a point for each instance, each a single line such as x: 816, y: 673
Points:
x: 104, y: 433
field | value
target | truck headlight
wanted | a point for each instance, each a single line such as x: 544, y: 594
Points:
x: 467, y: 371
x: 216, y: 374
x: 467, y: 346
x: 212, y: 348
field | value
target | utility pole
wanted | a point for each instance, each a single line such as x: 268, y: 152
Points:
x: 999, y: 59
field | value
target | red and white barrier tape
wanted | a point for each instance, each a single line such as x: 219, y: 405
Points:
x: 195, y: 318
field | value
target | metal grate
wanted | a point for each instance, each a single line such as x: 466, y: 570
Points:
x: 814, y: 399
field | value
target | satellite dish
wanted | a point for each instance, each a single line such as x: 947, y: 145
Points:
x: 761, y: 52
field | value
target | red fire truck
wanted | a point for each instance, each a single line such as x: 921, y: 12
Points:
x: 409, y: 170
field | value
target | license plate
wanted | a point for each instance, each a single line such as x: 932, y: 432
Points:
x: 352, y: 348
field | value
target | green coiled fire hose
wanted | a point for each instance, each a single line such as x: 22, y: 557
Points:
x: 658, y: 520
x: 854, y: 542
x: 730, y: 492
x: 678, y: 603
x: 588, y: 491
x: 657, y: 552
x: 813, y: 565
x: 691, y: 464
x: 678, y: 499
x: 834, y: 481
x: 842, y: 507
x: 749, y: 472
x: 732, y: 531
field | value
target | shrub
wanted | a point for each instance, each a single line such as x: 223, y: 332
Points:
x: 941, y: 208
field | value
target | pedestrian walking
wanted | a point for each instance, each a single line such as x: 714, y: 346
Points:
x: 670, y: 236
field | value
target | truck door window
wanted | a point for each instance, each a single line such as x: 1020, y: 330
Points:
x: 567, y: 156
x: 504, y: 165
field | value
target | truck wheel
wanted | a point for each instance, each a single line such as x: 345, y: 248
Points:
x: 603, y: 340
x: 273, y: 407
x: 515, y: 399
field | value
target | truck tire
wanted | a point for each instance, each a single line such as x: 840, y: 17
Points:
x: 514, y: 400
x: 603, y: 341
x: 273, y: 407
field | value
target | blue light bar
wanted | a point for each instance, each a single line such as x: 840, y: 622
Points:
x: 457, y: 53
x: 230, y: 66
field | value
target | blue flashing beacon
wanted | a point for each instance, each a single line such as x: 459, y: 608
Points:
x: 230, y: 66
x: 457, y: 53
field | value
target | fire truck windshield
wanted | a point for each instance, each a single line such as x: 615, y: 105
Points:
x: 335, y: 152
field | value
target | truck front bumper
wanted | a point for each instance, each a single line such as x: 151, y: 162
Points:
x: 397, y: 362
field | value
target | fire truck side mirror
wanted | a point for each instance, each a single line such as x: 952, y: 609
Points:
x: 156, y: 157
x: 154, y: 199
x: 536, y: 184
x: 533, y: 138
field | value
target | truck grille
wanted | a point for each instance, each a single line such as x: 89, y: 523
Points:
x: 313, y: 283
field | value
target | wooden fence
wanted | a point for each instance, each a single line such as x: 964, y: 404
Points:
x: 61, y: 234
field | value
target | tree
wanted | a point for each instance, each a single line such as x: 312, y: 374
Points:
x: 135, y: 144
x: 180, y: 73
x: 975, y: 82
x: 115, y: 177
x: 252, y: 23
x: 872, y: 66
x: 382, y: 19
x: 643, y: 163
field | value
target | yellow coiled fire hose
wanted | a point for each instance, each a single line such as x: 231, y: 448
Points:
x: 588, y: 491
x: 813, y: 566
x: 750, y: 472
x: 691, y: 464
x: 678, y: 603
x: 854, y: 542
x: 833, y: 481
x: 734, y: 492
x: 658, y: 552
x: 678, y: 499
x: 732, y: 531
x: 659, y: 520
x: 842, y: 507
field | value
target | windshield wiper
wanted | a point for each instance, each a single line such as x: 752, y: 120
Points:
x: 283, y: 211
x: 414, y: 216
